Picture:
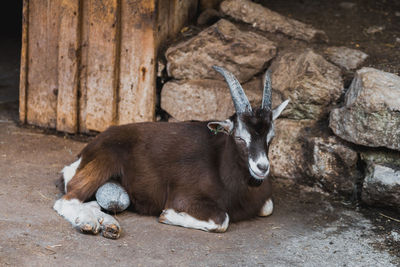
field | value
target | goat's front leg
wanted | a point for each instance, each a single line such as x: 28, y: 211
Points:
x: 267, y: 209
x: 172, y: 217
x: 202, y: 215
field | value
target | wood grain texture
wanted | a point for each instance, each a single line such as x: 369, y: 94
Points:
x: 89, y: 64
x: 102, y: 54
x: 23, y: 82
x: 162, y: 27
x: 42, y: 60
x: 137, y: 63
x: 143, y: 31
x: 83, y: 63
x: 68, y: 63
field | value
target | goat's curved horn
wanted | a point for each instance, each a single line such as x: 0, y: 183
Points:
x: 239, y: 98
x: 266, y: 102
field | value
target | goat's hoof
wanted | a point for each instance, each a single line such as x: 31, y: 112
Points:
x: 162, y: 218
x: 89, y: 229
x: 218, y: 230
x: 111, y: 231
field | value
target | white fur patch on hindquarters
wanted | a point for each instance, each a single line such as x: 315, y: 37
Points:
x: 170, y: 216
x: 267, y: 209
x: 69, y: 172
x: 87, y: 217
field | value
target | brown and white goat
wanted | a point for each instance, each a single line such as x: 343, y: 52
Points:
x: 193, y: 174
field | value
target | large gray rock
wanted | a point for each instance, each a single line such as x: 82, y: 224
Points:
x: 267, y: 20
x: 333, y: 164
x: 286, y: 152
x: 241, y: 52
x: 312, y: 84
x: 371, y: 113
x: 204, y: 99
x: 345, y: 57
x: 381, y: 186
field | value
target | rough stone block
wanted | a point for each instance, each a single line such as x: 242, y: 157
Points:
x: 371, y: 113
x: 204, y: 99
x: 267, y: 20
x: 286, y: 152
x: 241, y: 52
x: 312, y: 84
x: 333, y: 164
x: 345, y: 57
x: 382, y: 186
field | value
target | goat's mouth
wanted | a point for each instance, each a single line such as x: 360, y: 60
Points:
x: 258, y: 175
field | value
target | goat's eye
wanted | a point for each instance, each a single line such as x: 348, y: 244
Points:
x: 239, y: 139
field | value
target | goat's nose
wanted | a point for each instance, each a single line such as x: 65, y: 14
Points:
x: 262, y: 167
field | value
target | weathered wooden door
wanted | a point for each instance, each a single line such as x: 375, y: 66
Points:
x: 89, y: 64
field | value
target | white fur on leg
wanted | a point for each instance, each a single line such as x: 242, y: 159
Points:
x: 87, y: 217
x: 69, y: 172
x: 80, y: 215
x: 267, y: 209
x: 170, y: 216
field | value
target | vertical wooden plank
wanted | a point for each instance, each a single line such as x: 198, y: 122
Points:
x: 82, y: 93
x: 42, y: 60
x: 181, y: 12
x: 162, y: 9
x: 102, y: 54
x: 24, y: 63
x: 68, y: 61
x: 137, y: 63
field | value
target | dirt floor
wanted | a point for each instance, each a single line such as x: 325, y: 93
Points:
x: 308, y: 228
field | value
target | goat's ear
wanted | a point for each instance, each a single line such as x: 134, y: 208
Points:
x: 278, y: 110
x: 225, y: 127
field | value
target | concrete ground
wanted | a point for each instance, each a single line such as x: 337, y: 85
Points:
x: 306, y: 229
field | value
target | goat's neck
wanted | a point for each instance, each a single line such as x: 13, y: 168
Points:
x: 233, y: 167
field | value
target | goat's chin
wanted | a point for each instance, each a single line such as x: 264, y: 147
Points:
x: 255, y: 179
x: 255, y: 182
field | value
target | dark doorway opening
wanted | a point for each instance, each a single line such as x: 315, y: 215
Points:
x: 10, y: 49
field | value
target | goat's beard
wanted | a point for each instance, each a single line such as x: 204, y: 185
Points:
x: 253, y: 182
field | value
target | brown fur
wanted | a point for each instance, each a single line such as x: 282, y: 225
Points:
x: 182, y: 166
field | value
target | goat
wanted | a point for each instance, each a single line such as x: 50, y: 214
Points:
x: 193, y: 174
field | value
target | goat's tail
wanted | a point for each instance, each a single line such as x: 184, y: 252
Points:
x: 89, y: 177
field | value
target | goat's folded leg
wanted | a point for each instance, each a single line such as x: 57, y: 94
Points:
x: 87, y: 217
x: 195, y: 214
x: 109, y: 226
x: 172, y: 217
x: 80, y: 184
x: 267, y: 209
